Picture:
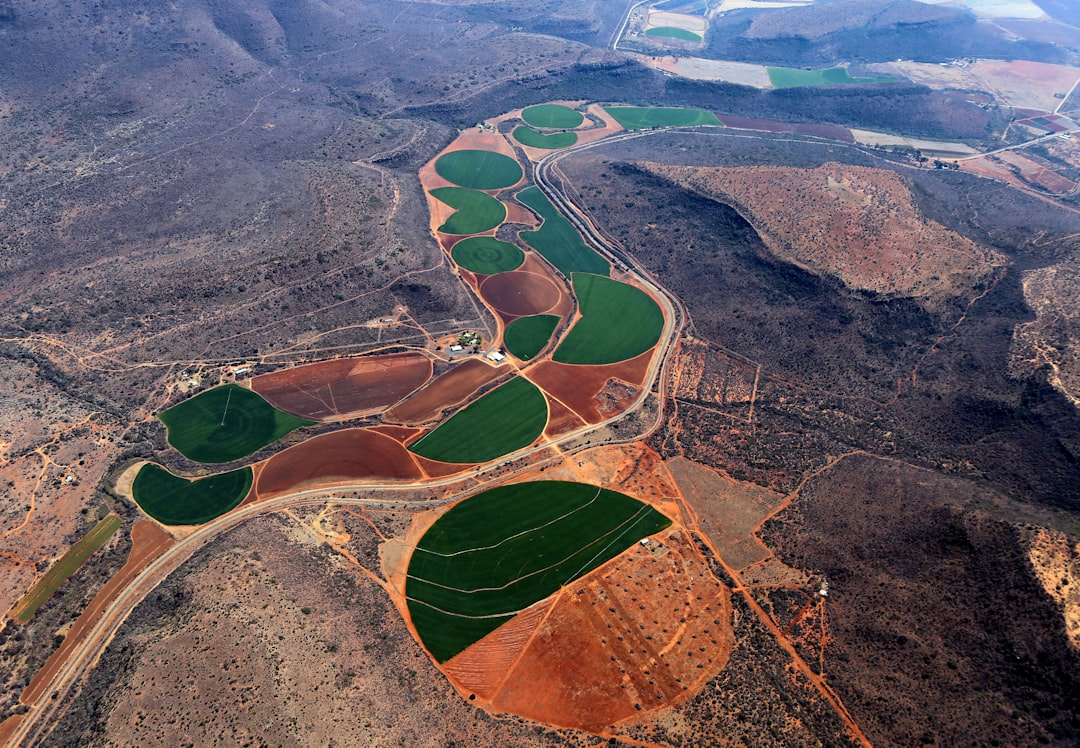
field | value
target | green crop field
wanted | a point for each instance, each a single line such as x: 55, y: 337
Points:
x: 173, y: 500
x: 225, y: 424
x: 794, y: 77
x: 526, y: 336
x: 553, y: 116
x: 498, y: 552
x: 557, y: 240
x: 502, y: 421
x: 47, y: 586
x: 671, y: 32
x: 617, y: 322
x: 476, y: 211
x: 479, y: 170
x: 642, y: 117
x: 534, y: 138
x: 487, y: 255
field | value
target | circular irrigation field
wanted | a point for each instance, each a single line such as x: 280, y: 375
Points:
x: 173, y: 500
x: 551, y: 141
x: 552, y: 116
x: 499, y: 552
x: 479, y: 170
x: 226, y: 423
x: 487, y: 255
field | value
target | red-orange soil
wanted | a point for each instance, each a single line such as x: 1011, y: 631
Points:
x: 445, y: 391
x: 561, y: 420
x: 333, y: 390
x: 642, y: 632
x: 581, y: 387
x: 435, y: 469
x: 518, y: 293
x: 8, y: 727
x: 338, y: 457
x: 148, y: 541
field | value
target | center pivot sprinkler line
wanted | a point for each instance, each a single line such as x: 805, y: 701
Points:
x: 228, y: 398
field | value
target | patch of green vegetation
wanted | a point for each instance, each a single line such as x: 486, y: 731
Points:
x: 487, y: 255
x: 502, y: 550
x: 553, y: 116
x: 527, y: 336
x: 670, y: 32
x: 225, y: 424
x: 502, y: 421
x: 479, y: 170
x: 536, y: 139
x: 173, y: 500
x: 642, y: 117
x: 617, y: 323
x: 794, y: 77
x: 47, y: 586
x: 476, y: 211
x: 557, y: 240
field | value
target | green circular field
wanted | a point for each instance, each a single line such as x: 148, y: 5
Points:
x: 487, y: 255
x: 618, y: 322
x: 173, y: 500
x: 504, y: 420
x: 225, y: 424
x: 476, y: 211
x: 479, y: 170
x: 535, y: 139
x: 553, y: 116
x: 527, y: 336
x: 496, y: 553
x: 671, y: 32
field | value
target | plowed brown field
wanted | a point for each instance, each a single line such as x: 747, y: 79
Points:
x: 337, y: 457
x: 580, y: 387
x: 561, y: 420
x: 332, y: 390
x: 445, y: 391
x: 644, y: 631
x: 519, y: 293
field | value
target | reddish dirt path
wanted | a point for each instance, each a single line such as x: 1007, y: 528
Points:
x: 342, y: 388
x: 336, y: 458
x: 445, y: 391
x: 148, y: 541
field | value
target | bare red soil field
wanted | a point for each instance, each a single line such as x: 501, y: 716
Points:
x: 435, y: 469
x: 332, y: 390
x: 399, y: 433
x: 642, y: 632
x: 337, y: 457
x: 579, y: 387
x: 561, y: 420
x: 445, y: 391
x: 520, y: 293
x: 148, y: 541
x: 833, y: 132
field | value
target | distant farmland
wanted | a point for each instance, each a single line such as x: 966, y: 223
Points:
x: 535, y: 139
x: 552, y: 116
x: 226, y: 423
x: 479, y: 170
x: 794, y: 77
x: 502, y: 550
x: 640, y: 118
x: 502, y: 421
x: 476, y: 211
x: 173, y: 500
x: 671, y: 32
x: 557, y: 240
x: 617, y: 322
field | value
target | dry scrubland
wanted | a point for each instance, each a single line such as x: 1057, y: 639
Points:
x: 859, y: 224
x: 1051, y: 342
